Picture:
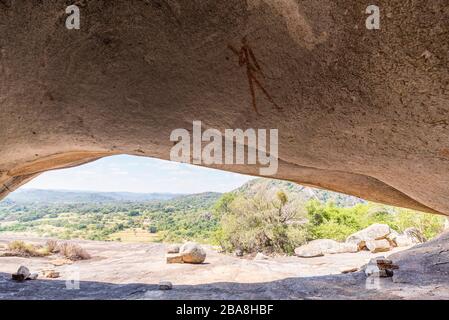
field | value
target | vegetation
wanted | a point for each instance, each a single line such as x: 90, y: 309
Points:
x: 331, y: 222
x: 260, y: 223
x: 181, y: 218
x: 72, y: 251
x: 278, y: 221
x: 69, y: 250
x: 263, y: 215
x: 22, y: 249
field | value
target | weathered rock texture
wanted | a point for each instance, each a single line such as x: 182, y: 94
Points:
x: 364, y: 112
x: 419, y: 273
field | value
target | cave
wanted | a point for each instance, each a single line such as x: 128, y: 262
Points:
x: 361, y: 111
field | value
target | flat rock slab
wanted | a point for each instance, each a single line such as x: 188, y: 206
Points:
x: 134, y: 271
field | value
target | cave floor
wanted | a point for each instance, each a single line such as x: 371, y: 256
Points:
x: 133, y: 271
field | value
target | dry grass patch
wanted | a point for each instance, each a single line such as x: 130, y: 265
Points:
x: 52, y: 246
x: 70, y: 251
x: 21, y: 249
x: 73, y: 251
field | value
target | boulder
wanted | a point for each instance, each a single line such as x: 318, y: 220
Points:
x: 173, y: 248
x: 415, y: 234
x: 344, y: 248
x: 24, y: 271
x: 22, y: 274
x: 410, y: 237
x: 192, y: 252
x: 317, y: 248
x: 403, y: 241
x: 378, y: 245
x: 375, y: 231
x: 320, y: 247
x: 392, y: 238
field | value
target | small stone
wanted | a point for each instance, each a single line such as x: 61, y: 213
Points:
x: 51, y: 274
x: 32, y: 276
x: 165, y: 285
x: 174, y: 248
x: 17, y: 277
x: 238, y: 253
x: 350, y: 270
x: 261, y: 256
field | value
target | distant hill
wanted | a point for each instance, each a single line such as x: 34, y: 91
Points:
x: 252, y: 187
x: 25, y: 196
x: 296, y: 191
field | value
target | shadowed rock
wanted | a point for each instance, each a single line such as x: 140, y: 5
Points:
x: 363, y: 112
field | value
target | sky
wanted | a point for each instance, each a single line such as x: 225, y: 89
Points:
x: 139, y: 174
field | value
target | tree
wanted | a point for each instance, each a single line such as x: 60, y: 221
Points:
x: 260, y: 223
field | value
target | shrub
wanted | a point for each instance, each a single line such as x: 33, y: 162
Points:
x: 22, y: 249
x: 52, y: 246
x: 261, y: 223
x: 430, y: 225
x: 327, y: 221
x: 73, y: 251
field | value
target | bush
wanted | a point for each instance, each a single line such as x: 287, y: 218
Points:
x: 428, y: 224
x: 52, y: 246
x: 73, y: 251
x: 327, y: 221
x: 263, y: 223
x: 22, y: 249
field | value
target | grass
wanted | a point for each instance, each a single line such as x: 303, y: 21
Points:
x: 22, y: 249
x: 69, y: 250
x: 73, y: 251
x: 135, y: 236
